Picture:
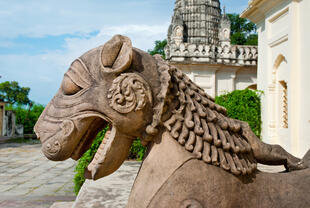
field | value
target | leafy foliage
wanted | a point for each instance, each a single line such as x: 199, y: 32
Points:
x: 12, y: 93
x: 159, y: 48
x: 243, y: 105
x: 243, y: 32
x: 27, y: 116
x: 252, y: 39
x: 137, y: 151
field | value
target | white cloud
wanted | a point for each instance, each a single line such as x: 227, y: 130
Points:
x: 144, y: 21
x: 142, y: 36
x: 43, y: 73
x: 35, y: 18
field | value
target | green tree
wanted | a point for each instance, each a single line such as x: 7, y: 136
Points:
x: 159, y: 48
x: 243, y: 31
x: 12, y: 93
x: 243, y: 105
x: 252, y: 39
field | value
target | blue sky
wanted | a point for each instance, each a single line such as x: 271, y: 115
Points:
x: 39, y: 39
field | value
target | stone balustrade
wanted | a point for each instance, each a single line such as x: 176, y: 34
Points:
x: 227, y: 54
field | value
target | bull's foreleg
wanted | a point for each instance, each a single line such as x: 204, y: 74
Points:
x: 270, y: 154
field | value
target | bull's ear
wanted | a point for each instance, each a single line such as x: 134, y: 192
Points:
x: 116, y: 55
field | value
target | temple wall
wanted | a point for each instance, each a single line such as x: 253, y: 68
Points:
x: 283, y: 71
x: 219, y: 79
x: 225, y: 81
x: 245, y: 77
x: 304, y: 17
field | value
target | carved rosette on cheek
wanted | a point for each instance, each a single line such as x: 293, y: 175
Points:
x: 129, y: 92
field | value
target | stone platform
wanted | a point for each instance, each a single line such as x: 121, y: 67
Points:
x: 29, y: 180
x: 109, y: 192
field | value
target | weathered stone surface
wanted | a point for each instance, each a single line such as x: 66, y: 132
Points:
x: 196, y: 154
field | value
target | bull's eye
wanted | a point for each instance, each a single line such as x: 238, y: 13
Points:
x: 69, y: 87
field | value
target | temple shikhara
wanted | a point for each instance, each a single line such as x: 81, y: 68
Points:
x: 199, y: 45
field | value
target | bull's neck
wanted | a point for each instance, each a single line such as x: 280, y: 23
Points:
x: 164, y: 158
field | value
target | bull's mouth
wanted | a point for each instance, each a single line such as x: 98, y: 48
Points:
x: 74, y: 137
x: 86, y: 140
x: 112, y: 152
x: 71, y: 137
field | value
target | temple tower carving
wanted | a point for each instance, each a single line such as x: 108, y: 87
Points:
x: 199, y: 43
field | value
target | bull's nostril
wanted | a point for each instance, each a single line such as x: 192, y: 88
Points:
x: 52, y: 149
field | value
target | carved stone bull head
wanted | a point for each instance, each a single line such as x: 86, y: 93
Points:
x: 194, y: 145
x: 112, y: 84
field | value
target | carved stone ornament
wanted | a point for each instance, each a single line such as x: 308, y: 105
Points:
x: 197, y: 156
x: 198, y: 33
x: 129, y: 92
x: 177, y: 36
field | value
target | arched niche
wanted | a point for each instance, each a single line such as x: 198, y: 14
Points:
x: 278, y: 98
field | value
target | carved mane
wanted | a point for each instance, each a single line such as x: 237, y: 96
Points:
x: 139, y: 96
x: 202, y: 127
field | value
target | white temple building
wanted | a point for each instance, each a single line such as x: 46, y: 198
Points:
x: 199, y: 45
x: 283, y: 70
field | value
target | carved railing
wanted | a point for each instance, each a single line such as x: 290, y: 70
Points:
x: 227, y: 54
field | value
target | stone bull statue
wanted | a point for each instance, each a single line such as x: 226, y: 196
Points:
x: 197, y: 156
